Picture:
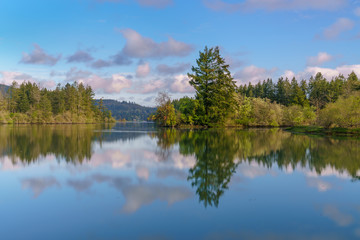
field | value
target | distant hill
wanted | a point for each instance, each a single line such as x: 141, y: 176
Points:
x: 3, y: 88
x: 128, y: 110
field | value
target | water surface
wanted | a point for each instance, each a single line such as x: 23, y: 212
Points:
x: 133, y: 181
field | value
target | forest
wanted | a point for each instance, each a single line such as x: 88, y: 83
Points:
x: 128, y: 111
x: 316, y: 101
x: 73, y: 103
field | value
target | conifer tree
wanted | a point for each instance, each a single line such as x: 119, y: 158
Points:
x: 214, y: 85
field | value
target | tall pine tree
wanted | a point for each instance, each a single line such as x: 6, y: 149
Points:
x: 214, y: 85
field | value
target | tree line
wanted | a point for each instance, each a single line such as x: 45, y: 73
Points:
x: 72, y: 103
x: 219, y: 102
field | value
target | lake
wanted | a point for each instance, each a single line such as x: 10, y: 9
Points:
x: 134, y: 181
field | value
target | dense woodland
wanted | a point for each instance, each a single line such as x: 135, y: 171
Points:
x: 128, y: 111
x: 73, y: 103
x: 219, y: 102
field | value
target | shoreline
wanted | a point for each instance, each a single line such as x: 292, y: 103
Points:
x: 307, y: 130
x: 321, y: 131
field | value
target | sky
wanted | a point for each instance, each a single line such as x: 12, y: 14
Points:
x: 129, y: 50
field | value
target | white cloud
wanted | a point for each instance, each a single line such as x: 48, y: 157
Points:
x: 275, y: 5
x: 8, y: 77
x: 113, y: 84
x: 321, y: 185
x: 289, y: 74
x: 320, y: 59
x: 341, y: 25
x: 328, y: 73
x: 39, y: 56
x: 138, y: 46
x: 115, y: 158
x: 253, y: 74
x: 143, y: 70
x: 138, y: 196
x: 254, y: 170
x: 181, y: 84
x: 149, y: 87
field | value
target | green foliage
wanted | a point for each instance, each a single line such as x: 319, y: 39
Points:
x: 317, y: 91
x: 74, y: 103
x: 343, y: 113
x: 297, y: 115
x: 187, y: 108
x: 215, y: 88
x: 165, y: 113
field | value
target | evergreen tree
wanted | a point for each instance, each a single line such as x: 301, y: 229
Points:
x: 318, y: 91
x: 297, y: 95
x: 214, y: 85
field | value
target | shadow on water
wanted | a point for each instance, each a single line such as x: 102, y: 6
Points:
x: 217, y: 152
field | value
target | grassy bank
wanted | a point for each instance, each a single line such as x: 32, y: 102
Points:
x: 37, y: 117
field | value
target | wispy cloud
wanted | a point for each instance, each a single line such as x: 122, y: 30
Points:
x: 39, y: 56
x: 341, y: 25
x: 38, y: 185
x: 145, y: 3
x: 80, y: 56
x: 338, y: 217
x: 357, y: 11
x: 118, y: 59
x: 138, y: 46
x: 143, y: 70
x: 320, y: 59
x: 155, y: 3
x: 275, y: 5
x: 75, y: 74
x: 165, y: 69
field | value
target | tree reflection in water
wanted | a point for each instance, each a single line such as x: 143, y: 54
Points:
x: 217, y: 152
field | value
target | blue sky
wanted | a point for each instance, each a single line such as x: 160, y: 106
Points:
x: 132, y: 49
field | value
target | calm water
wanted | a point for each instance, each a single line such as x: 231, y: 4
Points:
x: 132, y: 181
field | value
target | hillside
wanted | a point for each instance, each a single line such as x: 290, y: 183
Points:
x: 128, y: 110
x: 3, y: 88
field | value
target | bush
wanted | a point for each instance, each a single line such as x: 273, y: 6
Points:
x: 298, y: 116
x: 345, y: 112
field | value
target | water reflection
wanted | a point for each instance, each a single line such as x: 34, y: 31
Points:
x: 207, y: 159
x: 219, y: 152
x: 214, y: 184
